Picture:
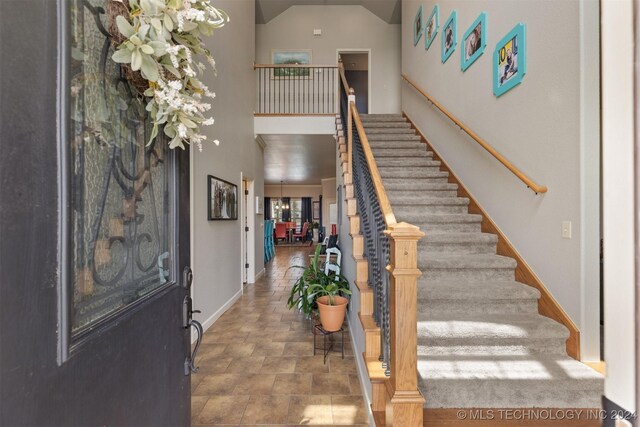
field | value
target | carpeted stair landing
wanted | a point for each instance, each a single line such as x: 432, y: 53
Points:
x: 481, y: 341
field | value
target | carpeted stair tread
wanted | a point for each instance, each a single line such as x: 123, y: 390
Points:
x: 479, y: 328
x: 375, y: 130
x: 408, y: 161
x: 414, y: 216
x: 527, y: 381
x: 428, y: 260
x: 382, y: 118
x: 398, y: 172
x: 386, y: 125
x: 380, y: 153
x: 407, y: 198
x: 404, y: 185
x: 465, y: 290
x: 393, y: 137
x: 396, y: 144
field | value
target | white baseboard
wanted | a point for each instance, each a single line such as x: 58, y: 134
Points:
x: 259, y: 275
x: 215, y: 316
x: 363, y: 375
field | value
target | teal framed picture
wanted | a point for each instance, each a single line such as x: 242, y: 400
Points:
x: 417, y: 26
x: 474, y: 41
x: 510, y: 60
x: 449, y: 36
x: 431, y: 27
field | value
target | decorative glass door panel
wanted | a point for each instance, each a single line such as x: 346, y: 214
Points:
x: 120, y: 225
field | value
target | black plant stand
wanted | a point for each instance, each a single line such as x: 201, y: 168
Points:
x: 327, y: 340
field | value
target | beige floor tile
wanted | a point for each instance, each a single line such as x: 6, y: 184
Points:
x: 310, y: 410
x: 223, y: 410
x: 240, y: 349
x: 348, y: 410
x: 266, y: 410
x: 197, y: 403
x: 278, y: 365
x: 299, y: 348
x: 311, y: 364
x: 354, y: 385
x: 270, y: 349
x: 217, y: 384
x: 212, y: 365
x: 339, y: 365
x: 330, y: 384
x: 254, y: 384
x: 292, y: 384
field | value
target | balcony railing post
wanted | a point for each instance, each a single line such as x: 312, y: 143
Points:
x: 352, y: 99
x: 404, y: 400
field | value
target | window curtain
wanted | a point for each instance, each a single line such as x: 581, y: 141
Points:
x: 306, y: 209
x: 267, y: 208
x: 286, y: 213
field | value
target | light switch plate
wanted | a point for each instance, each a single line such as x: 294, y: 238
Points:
x: 566, y: 229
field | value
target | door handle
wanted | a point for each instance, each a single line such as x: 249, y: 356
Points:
x: 189, y: 361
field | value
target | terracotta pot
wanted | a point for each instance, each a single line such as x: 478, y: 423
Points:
x: 332, y: 316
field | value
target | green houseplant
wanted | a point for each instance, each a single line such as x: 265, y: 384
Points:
x: 315, y: 289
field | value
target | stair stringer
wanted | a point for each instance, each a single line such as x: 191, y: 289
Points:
x: 547, y: 304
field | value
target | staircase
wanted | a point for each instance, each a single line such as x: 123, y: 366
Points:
x: 481, y: 341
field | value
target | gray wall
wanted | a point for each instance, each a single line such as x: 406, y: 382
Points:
x: 217, y: 259
x: 547, y: 126
x: 343, y: 27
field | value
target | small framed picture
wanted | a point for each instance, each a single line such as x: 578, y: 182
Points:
x: 222, y: 200
x: 510, y: 60
x: 417, y: 26
x: 431, y: 28
x: 474, y: 41
x: 449, y: 36
x: 291, y: 57
x: 316, y: 210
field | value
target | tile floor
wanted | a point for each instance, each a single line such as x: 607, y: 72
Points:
x: 257, y: 365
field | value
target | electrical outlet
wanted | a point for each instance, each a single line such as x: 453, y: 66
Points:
x: 317, y: 32
x: 566, y: 229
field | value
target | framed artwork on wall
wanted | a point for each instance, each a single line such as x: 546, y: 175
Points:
x: 510, y: 60
x: 474, y: 41
x: 431, y: 27
x: 449, y: 36
x: 222, y: 200
x: 316, y: 210
x: 291, y: 57
x: 417, y: 26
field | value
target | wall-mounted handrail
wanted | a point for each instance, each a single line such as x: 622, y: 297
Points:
x: 524, y: 178
x: 256, y: 66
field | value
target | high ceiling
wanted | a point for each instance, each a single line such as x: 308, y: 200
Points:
x: 299, y: 159
x: 387, y: 10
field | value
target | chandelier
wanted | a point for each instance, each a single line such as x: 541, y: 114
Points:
x: 283, y: 205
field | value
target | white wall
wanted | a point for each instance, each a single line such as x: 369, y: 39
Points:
x: 216, y: 245
x: 329, y: 188
x: 343, y: 27
x: 538, y: 126
x: 618, y: 191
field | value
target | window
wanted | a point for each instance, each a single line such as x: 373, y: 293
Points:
x: 119, y: 193
x: 295, y: 209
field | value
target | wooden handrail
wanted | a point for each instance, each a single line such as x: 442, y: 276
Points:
x: 343, y: 78
x: 385, y: 204
x: 528, y: 182
x: 256, y: 66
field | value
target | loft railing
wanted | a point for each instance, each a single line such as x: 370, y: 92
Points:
x: 390, y: 249
x: 296, y: 90
x: 484, y: 144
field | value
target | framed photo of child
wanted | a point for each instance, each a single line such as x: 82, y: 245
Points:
x: 510, y: 60
x: 449, y: 36
x: 431, y: 27
x: 474, y: 41
x: 417, y: 26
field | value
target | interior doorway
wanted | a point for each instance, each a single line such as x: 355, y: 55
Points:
x: 247, y: 216
x: 356, y: 69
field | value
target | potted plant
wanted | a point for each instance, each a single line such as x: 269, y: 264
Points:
x: 316, y: 290
x: 315, y: 226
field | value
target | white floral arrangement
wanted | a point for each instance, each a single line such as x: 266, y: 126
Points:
x: 163, y: 42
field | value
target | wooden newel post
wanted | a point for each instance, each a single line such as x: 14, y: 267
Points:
x: 404, y: 401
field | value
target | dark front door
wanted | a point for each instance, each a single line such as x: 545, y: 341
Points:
x: 94, y: 232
